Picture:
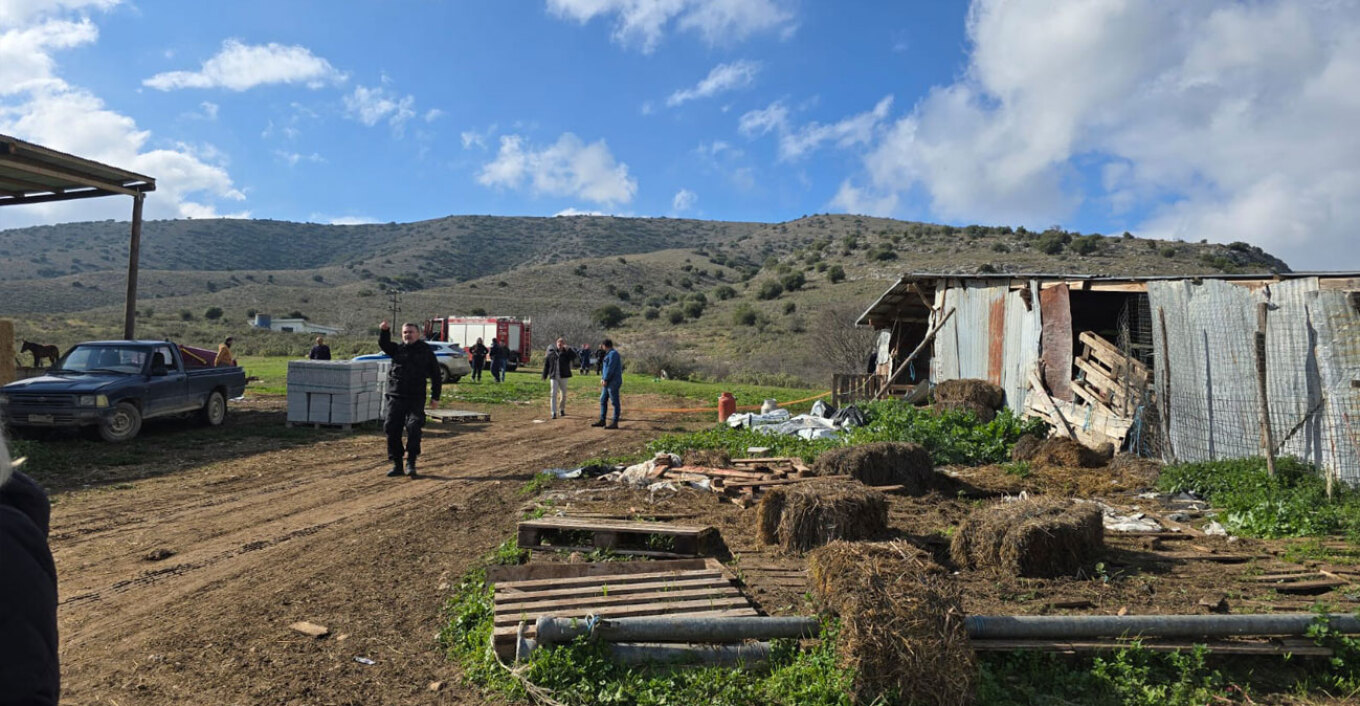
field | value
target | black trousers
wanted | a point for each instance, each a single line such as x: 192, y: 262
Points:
x: 404, y: 413
x: 478, y: 363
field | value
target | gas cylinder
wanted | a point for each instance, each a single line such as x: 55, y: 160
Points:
x: 727, y: 406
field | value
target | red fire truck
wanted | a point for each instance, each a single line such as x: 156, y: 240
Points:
x: 465, y: 330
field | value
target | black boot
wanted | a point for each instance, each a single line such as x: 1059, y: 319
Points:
x: 411, y: 468
x: 597, y: 423
x: 396, y: 470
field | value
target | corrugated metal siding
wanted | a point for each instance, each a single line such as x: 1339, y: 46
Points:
x: 1312, y: 354
x: 993, y: 336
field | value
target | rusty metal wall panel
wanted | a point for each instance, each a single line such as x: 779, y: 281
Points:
x: 1293, y: 386
x: 963, y: 345
x: 996, y: 339
x: 1055, y: 311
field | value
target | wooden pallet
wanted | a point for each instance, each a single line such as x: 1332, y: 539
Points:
x: 620, y: 537
x: 457, y: 415
x: 688, y: 587
x: 1111, y: 381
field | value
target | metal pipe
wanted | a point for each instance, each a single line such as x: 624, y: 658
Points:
x: 1050, y: 627
x: 749, y: 654
x: 676, y: 629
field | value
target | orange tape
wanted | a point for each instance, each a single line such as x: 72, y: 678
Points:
x: 743, y: 408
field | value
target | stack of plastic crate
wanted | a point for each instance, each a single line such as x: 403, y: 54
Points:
x: 340, y: 392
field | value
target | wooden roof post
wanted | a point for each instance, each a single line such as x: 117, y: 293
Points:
x: 134, y: 248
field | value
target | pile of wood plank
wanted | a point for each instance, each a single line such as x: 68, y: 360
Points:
x: 1109, y: 387
x: 747, y: 479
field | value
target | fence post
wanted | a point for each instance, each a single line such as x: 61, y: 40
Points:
x: 1267, y: 443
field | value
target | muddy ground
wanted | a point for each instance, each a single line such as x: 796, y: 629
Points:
x: 183, y: 562
x: 181, y: 571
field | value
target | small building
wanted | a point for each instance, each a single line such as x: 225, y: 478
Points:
x: 292, y: 325
x: 1183, y: 368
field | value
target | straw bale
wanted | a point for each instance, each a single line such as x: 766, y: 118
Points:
x: 7, y: 372
x: 1061, y: 451
x: 1037, y: 538
x: 806, y: 515
x: 902, y: 623
x: 983, y: 413
x: 980, y: 392
x: 708, y: 458
x: 881, y: 463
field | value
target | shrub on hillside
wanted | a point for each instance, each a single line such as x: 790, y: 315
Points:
x: 608, y: 316
x: 835, y: 274
x: 654, y: 355
x: 651, y: 313
x: 769, y: 289
x: 213, y: 313
x: 744, y: 315
x: 693, y: 308
x: 675, y: 316
x: 724, y: 293
x: 793, y: 281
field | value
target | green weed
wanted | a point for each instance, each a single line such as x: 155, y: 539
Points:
x: 1294, y: 503
x: 539, y: 483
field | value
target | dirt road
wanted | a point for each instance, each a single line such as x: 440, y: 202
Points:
x: 315, y: 533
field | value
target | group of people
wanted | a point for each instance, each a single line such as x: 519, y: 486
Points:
x: 558, y: 362
x: 498, y: 353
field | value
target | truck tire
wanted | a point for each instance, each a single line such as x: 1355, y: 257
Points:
x: 444, y: 375
x: 214, y: 410
x: 122, y: 425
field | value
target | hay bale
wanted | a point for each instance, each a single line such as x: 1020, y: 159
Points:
x: 881, y: 463
x: 1025, y: 447
x: 708, y: 458
x: 983, y: 413
x: 980, y: 392
x: 7, y: 372
x: 1062, y: 451
x: 1038, y: 538
x: 902, y: 623
x: 807, y: 515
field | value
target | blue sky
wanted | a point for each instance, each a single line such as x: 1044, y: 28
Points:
x: 1202, y: 119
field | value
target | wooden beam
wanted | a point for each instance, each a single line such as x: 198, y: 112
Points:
x: 924, y: 342
x: 45, y: 198
x: 1037, y: 384
x: 1267, y: 444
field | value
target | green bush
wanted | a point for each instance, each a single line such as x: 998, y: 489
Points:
x: 744, y: 315
x: 608, y: 316
x: 213, y: 313
x: 693, y: 309
x: 651, y: 313
x: 769, y: 289
x: 835, y: 274
x: 793, y: 281
x: 724, y: 293
x: 675, y: 315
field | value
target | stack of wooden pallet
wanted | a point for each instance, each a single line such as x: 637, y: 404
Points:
x: 1108, y: 389
x: 747, y: 481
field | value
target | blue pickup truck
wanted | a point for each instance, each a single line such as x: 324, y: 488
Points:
x: 114, y: 385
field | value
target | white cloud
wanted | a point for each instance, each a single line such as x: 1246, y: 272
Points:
x: 795, y: 142
x: 567, y: 168
x: 371, y: 105
x: 239, y: 67
x: 854, y: 200
x: 209, y: 110
x: 723, y: 77
x: 684, y: 200
x: 343, y: 220
x: 433, y: 114
x: 641, y: 23
x: 472, y: 138
x: 1233, y: 121
x: 293, y: 158
x: 760, y: 122
x: 36, y: 104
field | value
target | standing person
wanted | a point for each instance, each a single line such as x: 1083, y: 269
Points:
x: 320, y: 351
x: 224, y: 356
x: 499, y: 354
x: 29, y: 669
x: 584, y: 358
x: 413, y: 363
x: 478, y: 353
x: 557, y: 364
x: 611, y: 378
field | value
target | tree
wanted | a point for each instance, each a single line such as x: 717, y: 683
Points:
x: 213, y: 313
x: 608, y: 316
x: 574, y: 326
x: 843, y: 345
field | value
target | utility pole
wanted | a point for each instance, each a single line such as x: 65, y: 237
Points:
x: 395, y: 306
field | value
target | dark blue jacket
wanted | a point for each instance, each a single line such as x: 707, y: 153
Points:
x: 412, y: 365
x: 29, y: 672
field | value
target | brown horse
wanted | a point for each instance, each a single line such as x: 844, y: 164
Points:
x: 40, y: 352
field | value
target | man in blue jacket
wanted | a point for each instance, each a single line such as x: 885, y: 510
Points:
x: 611, y: 377
x: 29, y: 672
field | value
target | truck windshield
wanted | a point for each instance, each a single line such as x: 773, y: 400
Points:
x: 117, y: 359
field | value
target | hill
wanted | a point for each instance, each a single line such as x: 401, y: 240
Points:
x: 696, y: 296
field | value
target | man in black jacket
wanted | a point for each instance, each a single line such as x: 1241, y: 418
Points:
x: 413, y: 363
x: 478, y: 354
x: 29, y: 672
